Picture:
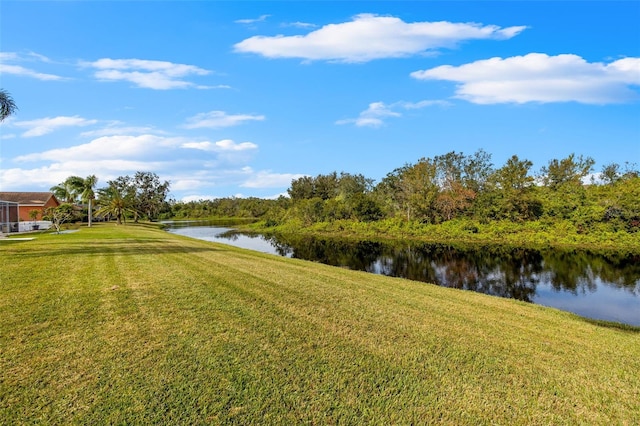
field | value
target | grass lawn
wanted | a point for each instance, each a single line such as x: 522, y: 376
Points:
x: 133, y: 325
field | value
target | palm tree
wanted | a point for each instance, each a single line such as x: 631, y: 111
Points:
x: 114, y: 202
x: 84, y: 187
x: 7, y: 105
x: 66, y: 191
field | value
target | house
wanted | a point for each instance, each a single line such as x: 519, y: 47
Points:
x: 16, y: 207
x: 8, y: 216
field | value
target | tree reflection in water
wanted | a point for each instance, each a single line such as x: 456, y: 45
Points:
x: 500, y: 271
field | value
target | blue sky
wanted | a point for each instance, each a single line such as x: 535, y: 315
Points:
x: 239, y: 98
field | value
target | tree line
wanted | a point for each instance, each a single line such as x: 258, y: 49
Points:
x: 432, y: 190
x: 450, y: 187
x: 141, y: 196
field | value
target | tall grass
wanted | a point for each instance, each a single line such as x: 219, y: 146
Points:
x: 536, y: 234
x: 130, y: 325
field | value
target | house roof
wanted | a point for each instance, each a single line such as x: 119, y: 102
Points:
x: 28, y: 198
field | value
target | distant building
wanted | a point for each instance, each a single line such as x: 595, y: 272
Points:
x: 8, y: 217
x: 16, y: 206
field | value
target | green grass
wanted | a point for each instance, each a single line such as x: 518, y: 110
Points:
x: 535, y: 234
x: 132, y: 325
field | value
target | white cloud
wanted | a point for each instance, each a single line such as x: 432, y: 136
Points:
x: 46, y: 176
x: 205, y: 175
x: 144, y: 148
x: 202, y: 146
x: 375, y: 114
x: 106, y: 147
x: 372, y: 116
x: 369, y: 37
x: 217, y: 119
x: 176, y: 159
x: 220, y: 146
x: 107, y: 157
x: 229, y: 145
x: 268, y: 179
x: 421, y: 104
x: 43, y: 126
x: 299, y: 25
x: 262, y: 18
x: 185, y: 184
x: 116, y: 128
x: 276, y: 196
x: 208, y: 183
x: 158, y: 75
x: 38, y: 57
x: 8, y: 68
x: 19, y: 70
x: 190, y: 198
x: 8, y: 56
x: 29, y: 56
x: 537, y: 77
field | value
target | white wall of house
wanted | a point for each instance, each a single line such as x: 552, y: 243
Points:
x: 29, y: 226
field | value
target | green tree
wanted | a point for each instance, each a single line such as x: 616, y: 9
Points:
x: 326, y: 186
x: 568, y: 171
x: 310, y: 211
x: 477, y: 171
x: 301, y: 188
x: 514, y: 175
x: 150, y: 194
x: 514, y: 190
x: 620, y: 203
x: 563, y: 179
x: 7, y: 105
x: 460, y: 179
x: 414, y: 189
x: 59, y: 215
x: 351, y: 185
x: 115, y: 200
x: 450, y: 169
x: 365, y: 208
x: 67, y: 191
x: 85, y: 189
x: 33, y: 215
x: 127, y: 191
x: 610, y: 173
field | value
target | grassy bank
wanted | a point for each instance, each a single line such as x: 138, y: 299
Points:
x: 129, y: 325
x: 536, y: 234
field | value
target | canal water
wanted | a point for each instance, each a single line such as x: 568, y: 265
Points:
x: 602, y: 286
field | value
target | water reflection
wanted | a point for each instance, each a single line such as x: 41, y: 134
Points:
x: 511, y: 274
x: 602, y: 286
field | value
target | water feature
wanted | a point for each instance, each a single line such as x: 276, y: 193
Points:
x: 595, y: 285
